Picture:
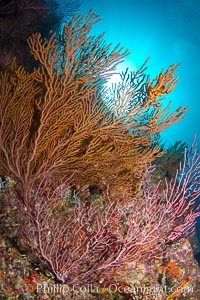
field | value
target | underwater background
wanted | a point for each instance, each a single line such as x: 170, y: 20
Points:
x: 168, y: 32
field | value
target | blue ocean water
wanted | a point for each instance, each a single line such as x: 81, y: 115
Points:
x: 168, y: 32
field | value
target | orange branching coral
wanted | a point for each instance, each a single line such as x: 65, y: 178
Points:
x: 56, y: 116
x: 163, y: 84
x: 170, y: 268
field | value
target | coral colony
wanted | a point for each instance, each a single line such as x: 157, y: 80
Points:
x: 83, y: 165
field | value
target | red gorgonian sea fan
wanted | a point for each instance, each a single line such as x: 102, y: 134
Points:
x: 81, y: 242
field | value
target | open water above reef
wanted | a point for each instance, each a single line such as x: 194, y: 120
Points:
x: 168, y: 32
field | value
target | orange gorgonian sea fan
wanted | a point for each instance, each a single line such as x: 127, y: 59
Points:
x: 56, y: 116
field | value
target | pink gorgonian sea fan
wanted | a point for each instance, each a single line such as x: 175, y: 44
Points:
x: 87, y: 243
